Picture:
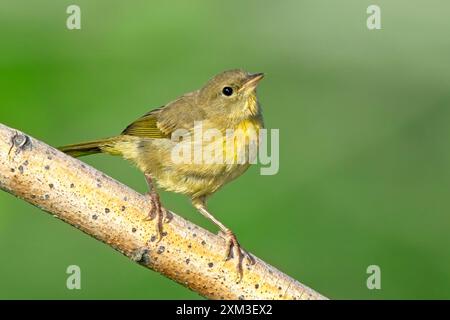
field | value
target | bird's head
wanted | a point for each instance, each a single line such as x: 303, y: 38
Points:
x: 232, y: 94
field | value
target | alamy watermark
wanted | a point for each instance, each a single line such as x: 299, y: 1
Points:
x: 73, y: 21
x: 231, y: 146
x: 374, y: 280
x: 74, y: 279
x: 374, y: 18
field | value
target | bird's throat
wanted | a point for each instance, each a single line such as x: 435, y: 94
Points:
x: 251, y: 105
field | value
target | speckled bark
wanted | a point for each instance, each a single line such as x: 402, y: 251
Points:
x: 114, y: 214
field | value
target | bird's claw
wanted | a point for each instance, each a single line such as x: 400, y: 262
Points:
x: 234, y: 250
x: 158, y: 212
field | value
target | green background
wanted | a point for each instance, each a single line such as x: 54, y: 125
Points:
x: 364, y: 129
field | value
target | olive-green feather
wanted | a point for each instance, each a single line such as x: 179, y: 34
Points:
x: 146, y: 127
x: 86, y: 148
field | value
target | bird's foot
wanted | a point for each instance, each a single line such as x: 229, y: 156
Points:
x: 157, y: 213
x: 235, y: 251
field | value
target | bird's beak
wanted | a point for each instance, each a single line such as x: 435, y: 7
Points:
x: 252, y: 81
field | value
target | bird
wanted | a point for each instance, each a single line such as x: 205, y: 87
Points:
x: 227, y: 104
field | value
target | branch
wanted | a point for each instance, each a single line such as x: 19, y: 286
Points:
x: 114, y: 214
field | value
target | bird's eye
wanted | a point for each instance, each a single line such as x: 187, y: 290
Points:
x: 228, y: 91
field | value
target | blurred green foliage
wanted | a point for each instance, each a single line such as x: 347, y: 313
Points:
x: 364, y: 125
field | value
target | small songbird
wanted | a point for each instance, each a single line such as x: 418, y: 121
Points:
x: 226, y: 103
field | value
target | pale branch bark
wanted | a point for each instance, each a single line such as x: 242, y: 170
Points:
x: 114, y: 214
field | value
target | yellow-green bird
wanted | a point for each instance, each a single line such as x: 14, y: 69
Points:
x: 226, y: 103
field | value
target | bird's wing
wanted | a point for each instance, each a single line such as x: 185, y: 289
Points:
x: 147, y: 126
x: 161, y: 122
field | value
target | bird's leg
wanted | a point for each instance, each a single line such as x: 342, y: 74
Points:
x: 156, y: 211
x: 234, y: 249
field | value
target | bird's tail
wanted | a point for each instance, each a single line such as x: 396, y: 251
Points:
x: 90, y: 147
